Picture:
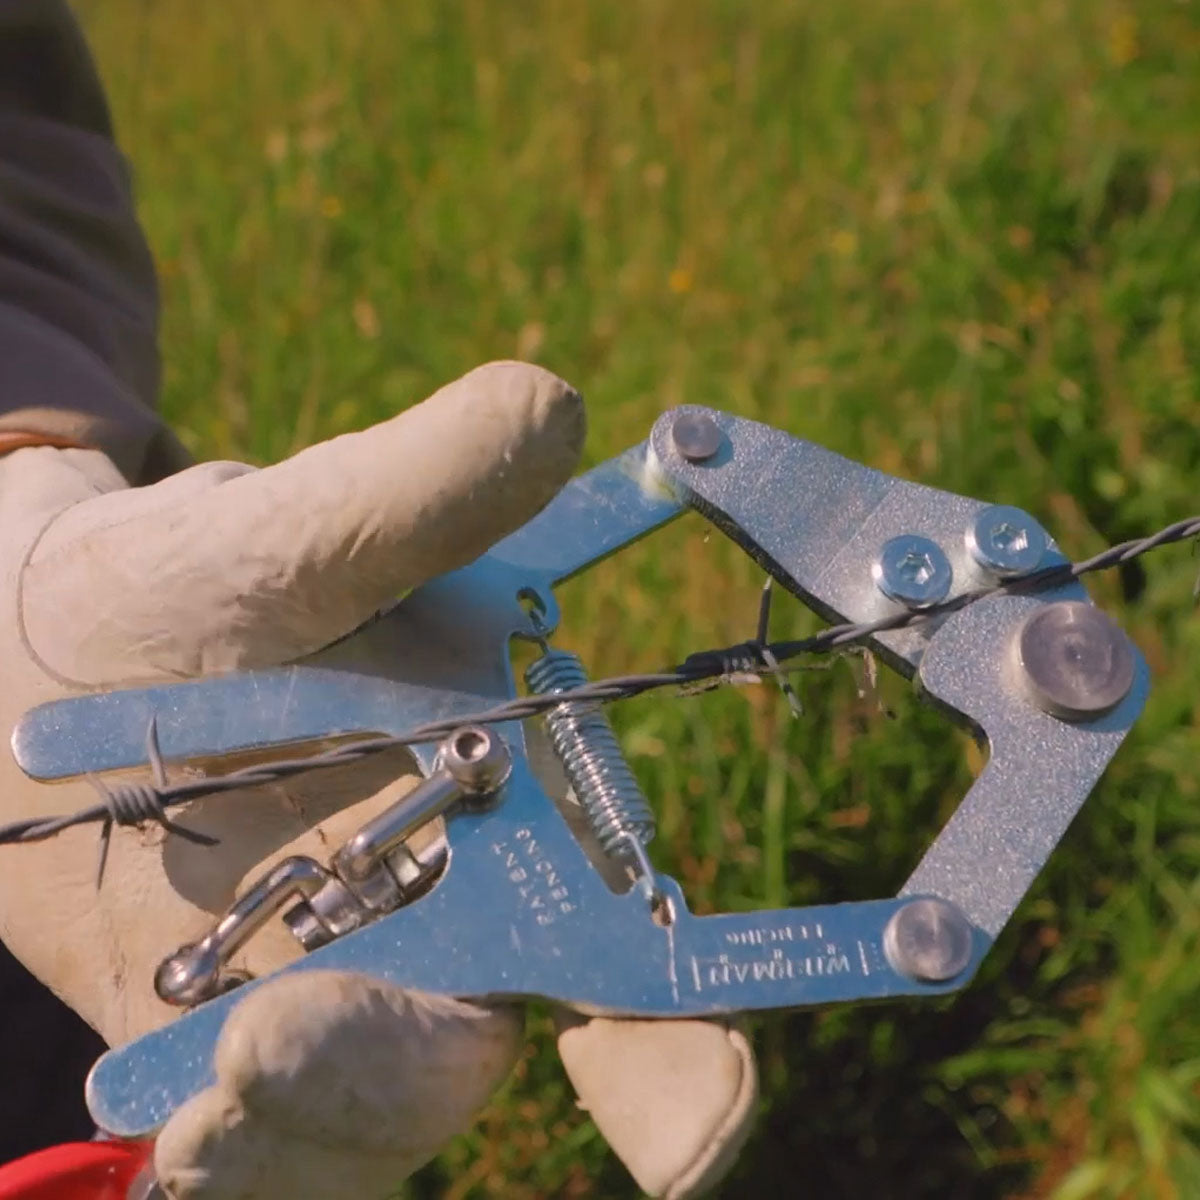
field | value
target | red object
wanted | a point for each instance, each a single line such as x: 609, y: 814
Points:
x: 75, y: 1171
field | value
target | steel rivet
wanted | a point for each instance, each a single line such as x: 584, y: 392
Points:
x: 1076, y: 662
x: 696, y: 436
x: 1006, y: 541
x: 928, y: 940
x: 912, y: 570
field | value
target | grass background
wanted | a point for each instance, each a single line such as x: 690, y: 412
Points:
x: 956, y: 239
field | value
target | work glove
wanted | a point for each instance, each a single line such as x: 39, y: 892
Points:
x: 329, y: 1084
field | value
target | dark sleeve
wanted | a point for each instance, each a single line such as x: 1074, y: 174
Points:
x: 78, y: 298
x: 46, y: 1052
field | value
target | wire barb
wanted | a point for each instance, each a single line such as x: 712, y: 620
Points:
x: 133, y: 804
x: 767, y: 655
x: 137, y: 803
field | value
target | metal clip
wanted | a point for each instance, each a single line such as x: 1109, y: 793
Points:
x: 361, y: 885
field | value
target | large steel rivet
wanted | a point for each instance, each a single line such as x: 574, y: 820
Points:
x: 696, y: 436
x: 928, y: 940
x: 912, y: 570
x: 1075, y: 661
x: 1006, y: 541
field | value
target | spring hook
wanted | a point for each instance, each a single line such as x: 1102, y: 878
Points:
x: 586, y: 745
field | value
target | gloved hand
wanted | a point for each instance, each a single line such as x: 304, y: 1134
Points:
x: 329, y: 1084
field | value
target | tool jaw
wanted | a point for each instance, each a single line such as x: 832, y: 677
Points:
x: 817, y: 523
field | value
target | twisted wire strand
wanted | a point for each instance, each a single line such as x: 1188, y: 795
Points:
x: 134, y: 804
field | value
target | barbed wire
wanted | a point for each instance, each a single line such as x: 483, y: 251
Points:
x: 139, y: 802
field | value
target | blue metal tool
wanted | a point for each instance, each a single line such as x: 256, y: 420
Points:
x: 528, y: 897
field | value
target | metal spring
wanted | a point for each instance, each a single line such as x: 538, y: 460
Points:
x: 591, y: 755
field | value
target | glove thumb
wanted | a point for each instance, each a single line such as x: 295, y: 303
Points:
x: 224, y: 566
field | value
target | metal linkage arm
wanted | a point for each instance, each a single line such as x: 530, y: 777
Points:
x: 1047, y: 679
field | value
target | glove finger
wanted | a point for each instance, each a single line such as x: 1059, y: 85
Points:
x: 212, y: 1151
x: 674, y: 1099
x: 270, y: 565
x: 332, y: 1084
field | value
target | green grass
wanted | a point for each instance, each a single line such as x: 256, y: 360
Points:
x: 956, y: 239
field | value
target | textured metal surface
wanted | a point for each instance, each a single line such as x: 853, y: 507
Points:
x: 814, y: 520
x: 1040, y: 769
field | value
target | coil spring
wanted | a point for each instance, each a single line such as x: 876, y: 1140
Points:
x: 588, y: 749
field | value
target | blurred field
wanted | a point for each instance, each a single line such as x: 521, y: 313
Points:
x: 956, y: 239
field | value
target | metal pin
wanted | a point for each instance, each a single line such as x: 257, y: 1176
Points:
x: 696, y: 436
x: 928, y: 940
x: 1075, y: 662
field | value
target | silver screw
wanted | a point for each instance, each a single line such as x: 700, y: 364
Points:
x: 696, y: 436
x: 928, y: 940
x: 476, y: 758
x: 1006, y: 541
x: 1075, y: 661
x: 913, y: 570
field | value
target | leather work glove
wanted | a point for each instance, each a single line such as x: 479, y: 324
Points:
x: 328, y: 1084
